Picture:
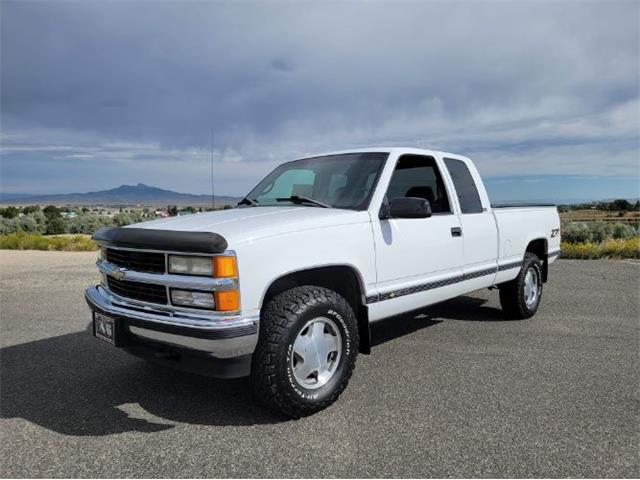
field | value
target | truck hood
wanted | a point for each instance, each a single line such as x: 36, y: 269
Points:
x: 240, y: 225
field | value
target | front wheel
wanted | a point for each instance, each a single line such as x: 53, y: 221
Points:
x: 306, y: 350
x: 520, y: 298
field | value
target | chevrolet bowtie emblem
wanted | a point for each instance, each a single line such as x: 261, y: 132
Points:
x: 119, y: 273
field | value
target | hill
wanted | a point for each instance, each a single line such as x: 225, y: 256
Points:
x: 124, y: 195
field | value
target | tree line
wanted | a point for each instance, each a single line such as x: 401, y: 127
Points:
x: 51, y: 221
x: 619, y: 205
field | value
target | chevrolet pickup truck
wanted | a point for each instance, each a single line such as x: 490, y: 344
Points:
x: 284, y: 287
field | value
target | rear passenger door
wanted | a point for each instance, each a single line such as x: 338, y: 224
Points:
x: 479, y: 230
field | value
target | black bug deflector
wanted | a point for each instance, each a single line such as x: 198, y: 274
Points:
x: 167, y: 240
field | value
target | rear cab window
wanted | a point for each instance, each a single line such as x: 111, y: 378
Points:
x: 468, y: 195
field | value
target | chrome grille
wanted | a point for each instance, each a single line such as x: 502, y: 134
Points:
x: 139, y: 261
x: 145, y: 292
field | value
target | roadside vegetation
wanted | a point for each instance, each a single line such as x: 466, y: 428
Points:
x: 612, y: 248
x: 601, y: 230
x: 594, y: 239
x: 589, y: 231
x: 36, y: 241
x: 52, y: 220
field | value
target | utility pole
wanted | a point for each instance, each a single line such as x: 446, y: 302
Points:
x: 213, y: 197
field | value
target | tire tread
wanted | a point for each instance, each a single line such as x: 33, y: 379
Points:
x: 511, y: 296
x: 279, y: 316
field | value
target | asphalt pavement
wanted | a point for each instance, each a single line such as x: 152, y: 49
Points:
x: 454, y: 391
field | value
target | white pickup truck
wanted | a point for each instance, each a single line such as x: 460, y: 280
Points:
x: 284, y: 287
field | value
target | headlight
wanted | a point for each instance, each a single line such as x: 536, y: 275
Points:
x: 191, y: 265
x: 220, y: 266
x: 189, y: 298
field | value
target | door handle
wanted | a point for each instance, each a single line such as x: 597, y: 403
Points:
x: 456, y: 231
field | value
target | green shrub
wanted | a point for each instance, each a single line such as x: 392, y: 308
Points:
x: 576, y: 232
x: 623, y: 230
x: 56, y: 226
x: 8, y: 225
x: 9, y: 212
x: 27, y: 223
x: 596, y: 232
x: 87, y: 224
x: 51, y: 211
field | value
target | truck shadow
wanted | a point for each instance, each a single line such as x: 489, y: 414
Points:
x: 77, y: 385
x: 463, y: 308
x: 466, y: 308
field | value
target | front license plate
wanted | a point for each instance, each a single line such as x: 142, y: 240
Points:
x: 104, y: 327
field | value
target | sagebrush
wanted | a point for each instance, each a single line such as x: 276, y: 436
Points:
x: 596, y: 232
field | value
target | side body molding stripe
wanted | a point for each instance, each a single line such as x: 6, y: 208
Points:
x: 441, y: 283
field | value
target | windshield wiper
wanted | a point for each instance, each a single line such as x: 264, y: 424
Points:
x: 303, y: 199
x: 248, y: 201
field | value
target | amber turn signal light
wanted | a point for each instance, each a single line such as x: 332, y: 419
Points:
x: 225, y: 267
x: 227, y: 300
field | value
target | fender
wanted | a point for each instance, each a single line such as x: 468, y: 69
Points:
x: 345, y: 279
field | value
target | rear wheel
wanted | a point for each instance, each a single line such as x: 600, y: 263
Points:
x: 306, y: 350
x: 521, y: 297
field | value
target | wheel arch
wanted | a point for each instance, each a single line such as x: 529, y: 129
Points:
x: 540, y: 246
x: 341, y: 278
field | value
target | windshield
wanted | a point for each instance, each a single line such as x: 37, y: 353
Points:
x: 339, y: 181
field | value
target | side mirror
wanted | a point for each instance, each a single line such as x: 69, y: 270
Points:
x: 406, y: 207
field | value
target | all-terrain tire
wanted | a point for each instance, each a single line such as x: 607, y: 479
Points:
x: 513, y: 296
x: 281, y: 321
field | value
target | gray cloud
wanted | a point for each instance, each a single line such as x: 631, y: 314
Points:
x: 134, y: 88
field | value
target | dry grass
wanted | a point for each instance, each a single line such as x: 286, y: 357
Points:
x: 599, y: 216
x: 36, y: 241
x: 620, y: 248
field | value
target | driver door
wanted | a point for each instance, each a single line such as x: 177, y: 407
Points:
x: 418, y: 260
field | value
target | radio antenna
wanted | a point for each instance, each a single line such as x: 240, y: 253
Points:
x: 213, y: 197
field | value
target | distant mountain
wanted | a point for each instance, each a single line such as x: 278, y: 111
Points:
x: 557, y: 201
x: 10, y: 197
x: 124, y: 195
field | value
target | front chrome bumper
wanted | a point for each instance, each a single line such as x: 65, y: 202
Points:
x: 221, y: 336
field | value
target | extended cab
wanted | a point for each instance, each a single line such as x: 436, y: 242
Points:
x: 284, y: 287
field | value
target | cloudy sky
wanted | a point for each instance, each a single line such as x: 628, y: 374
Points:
x: 543, y: 95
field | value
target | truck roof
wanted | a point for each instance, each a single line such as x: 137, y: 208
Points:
x: 397, y: 150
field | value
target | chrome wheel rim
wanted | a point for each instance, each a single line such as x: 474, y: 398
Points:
x: 316, y: 353
x: 531, y: 287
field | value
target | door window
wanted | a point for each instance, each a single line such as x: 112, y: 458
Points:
x: 418, y: 176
